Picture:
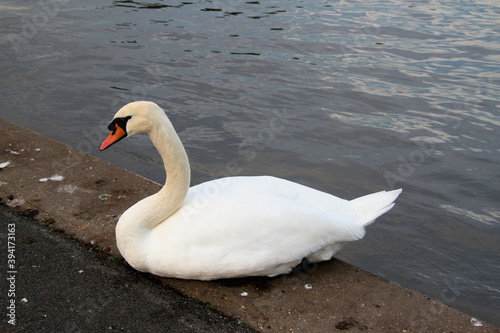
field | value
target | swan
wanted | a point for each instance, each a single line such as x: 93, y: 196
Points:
x: 229, y: 227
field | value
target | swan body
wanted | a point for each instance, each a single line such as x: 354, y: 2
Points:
x: 234, y: 226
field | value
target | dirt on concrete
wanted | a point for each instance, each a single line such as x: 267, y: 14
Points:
x: 83, y: 197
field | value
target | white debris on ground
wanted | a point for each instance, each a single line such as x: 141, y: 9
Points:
x: 56, y: 178
x: 244, y: 293
x: 476, y: 322
x: 13, y: 152
x: 4, y: 164
x: 308, y: 286
x: 104, y: 197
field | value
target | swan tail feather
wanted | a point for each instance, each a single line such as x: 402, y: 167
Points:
x: 371, y: 206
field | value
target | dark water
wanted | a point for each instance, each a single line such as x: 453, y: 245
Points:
x: 349, y: 97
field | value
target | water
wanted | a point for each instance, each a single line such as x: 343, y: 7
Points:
x: 349, y: 97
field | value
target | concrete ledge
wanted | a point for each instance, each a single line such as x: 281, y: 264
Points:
x: 86, y: 201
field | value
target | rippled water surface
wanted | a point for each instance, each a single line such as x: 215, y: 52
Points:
x: 349, y: 97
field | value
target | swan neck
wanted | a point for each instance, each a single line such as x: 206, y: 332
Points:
x: 176, y: 163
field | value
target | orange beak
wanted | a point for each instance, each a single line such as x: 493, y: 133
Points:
x: 116, y: 135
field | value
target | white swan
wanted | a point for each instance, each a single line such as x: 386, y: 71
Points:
x: 229, y: 227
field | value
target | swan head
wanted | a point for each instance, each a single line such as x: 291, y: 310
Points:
x: 133, y: 118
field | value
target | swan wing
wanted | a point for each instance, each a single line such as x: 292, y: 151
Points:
x: 250, y: 225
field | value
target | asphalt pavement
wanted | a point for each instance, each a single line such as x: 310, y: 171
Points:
x: 57, y: 284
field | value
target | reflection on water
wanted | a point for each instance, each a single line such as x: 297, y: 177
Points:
x: 347, y: 97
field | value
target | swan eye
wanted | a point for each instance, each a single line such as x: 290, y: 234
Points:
x: 122, y: 122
